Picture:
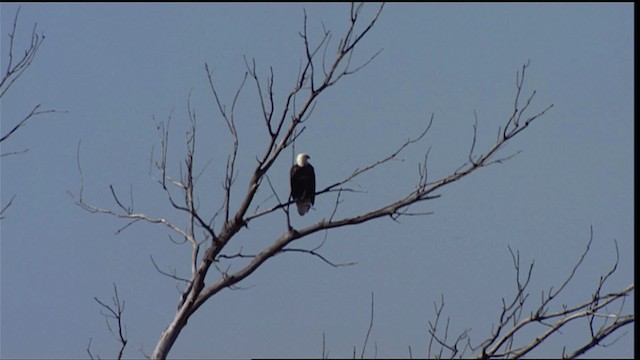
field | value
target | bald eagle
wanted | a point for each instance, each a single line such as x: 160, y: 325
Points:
x: 303, y: 183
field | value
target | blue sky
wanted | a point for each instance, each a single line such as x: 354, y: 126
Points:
x: 114, y: 67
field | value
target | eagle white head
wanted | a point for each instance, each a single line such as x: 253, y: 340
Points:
x: 302, y: 159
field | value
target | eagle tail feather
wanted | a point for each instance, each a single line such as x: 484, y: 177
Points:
x: 303, y: 207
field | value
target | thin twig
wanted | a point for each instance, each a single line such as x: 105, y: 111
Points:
x: 114, y: 312
x: 366, y: 338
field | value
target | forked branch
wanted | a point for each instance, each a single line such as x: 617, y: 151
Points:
x: 113, y: 313
x: 602, y: 320
x: 15, y: 68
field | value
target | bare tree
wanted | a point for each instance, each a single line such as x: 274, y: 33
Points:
x: 15, y: 68
x: 283, y: 126
x: 604, y: 313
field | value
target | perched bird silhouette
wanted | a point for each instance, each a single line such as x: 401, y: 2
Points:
x: 303, y: 183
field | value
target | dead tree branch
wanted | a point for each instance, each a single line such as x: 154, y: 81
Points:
x: 113, y: 313
x: 5, y: 207
x: 502, y: 343
x: 442, y: 339
x: 14, y: 70
x: 366, y: 338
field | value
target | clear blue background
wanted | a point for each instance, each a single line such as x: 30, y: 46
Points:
x: 114, y: 67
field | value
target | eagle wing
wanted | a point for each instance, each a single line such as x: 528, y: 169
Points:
x: 303, y: 186
x: 311, y: 187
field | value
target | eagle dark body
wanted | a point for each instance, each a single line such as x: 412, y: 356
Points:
x: 303, y: 187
